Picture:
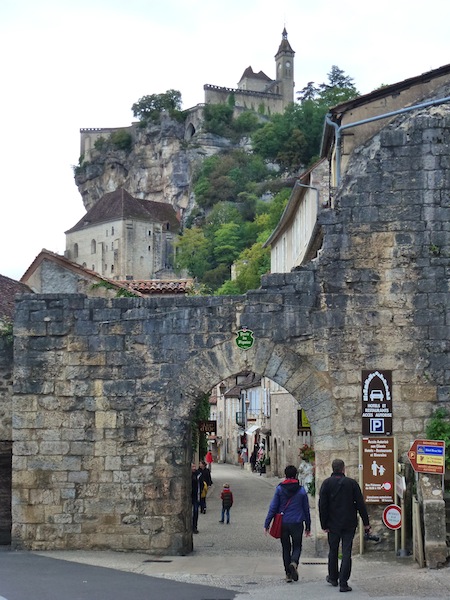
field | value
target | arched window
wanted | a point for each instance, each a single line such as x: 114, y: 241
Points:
x: 112, y: 230
x: 93, y: 247
x: 75, y: 250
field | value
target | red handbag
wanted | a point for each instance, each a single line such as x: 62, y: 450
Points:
x: 275, y: 528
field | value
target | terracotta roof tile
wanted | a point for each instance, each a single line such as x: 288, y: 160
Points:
x: 121, y: 205
x: 158, y: 286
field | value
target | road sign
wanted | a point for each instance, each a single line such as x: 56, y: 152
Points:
x: 376, y: 402
x: 400, y: 485
x: 378, y: 470
x: 392, y: 516
x: 427, y: 456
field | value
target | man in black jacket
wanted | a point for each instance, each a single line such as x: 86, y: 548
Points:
x: 340, y: 500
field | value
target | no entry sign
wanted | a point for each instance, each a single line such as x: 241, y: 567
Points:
x: 392, y: 516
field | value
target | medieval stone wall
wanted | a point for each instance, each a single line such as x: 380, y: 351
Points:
x: 105, y: 389
x: 6, y: 382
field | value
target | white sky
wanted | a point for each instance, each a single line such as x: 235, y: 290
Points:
x: 68, y: 64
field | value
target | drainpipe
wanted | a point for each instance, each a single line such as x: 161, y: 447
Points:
x: 309, y: 187
x: 338, y: 129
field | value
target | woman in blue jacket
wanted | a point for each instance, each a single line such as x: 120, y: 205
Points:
x: 292, y: 500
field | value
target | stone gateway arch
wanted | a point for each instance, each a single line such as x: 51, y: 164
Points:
x: 105, y: 390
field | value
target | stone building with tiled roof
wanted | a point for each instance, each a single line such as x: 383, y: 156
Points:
x: 257, y: 91
x: 53, y: 273
x: 124, y: 238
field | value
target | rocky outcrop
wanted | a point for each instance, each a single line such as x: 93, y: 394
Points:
x: 159, y: 166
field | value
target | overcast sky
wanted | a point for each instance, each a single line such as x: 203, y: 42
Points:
x: 68, y: 64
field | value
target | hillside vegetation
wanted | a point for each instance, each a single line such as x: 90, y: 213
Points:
x: 241, y: 195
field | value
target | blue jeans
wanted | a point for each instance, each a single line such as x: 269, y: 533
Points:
x: 291, y: 543
x: 227, y: 511
x: 334, y: 539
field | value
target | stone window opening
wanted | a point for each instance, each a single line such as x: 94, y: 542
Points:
x: 75, y: 250
x: 93, y: 247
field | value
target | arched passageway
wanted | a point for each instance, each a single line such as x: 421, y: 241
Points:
x: 105, y: 390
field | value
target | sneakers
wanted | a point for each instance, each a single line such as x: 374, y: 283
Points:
x: 345, y: 588
x: 220, y: 521
x: 288, y: 579
x: 333, y: 582
x: 294, y: 571
x: 195, y: 531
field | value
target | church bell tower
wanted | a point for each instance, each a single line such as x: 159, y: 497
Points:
x: 284, y: 61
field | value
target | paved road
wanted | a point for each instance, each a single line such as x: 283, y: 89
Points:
x: 239, y: 558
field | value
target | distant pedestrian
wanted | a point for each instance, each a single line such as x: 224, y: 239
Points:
x: 197, y: 486
x: 340, y: 500
x: 244, y: 456
x: 290, y: 499
x: 207, y: 483
x: 209, y: 459
x: 253, y: 458
x: 227, y: 502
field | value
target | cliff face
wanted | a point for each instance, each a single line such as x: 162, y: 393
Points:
x: 159, y: 166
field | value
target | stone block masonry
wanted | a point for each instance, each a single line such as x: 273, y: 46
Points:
x: 105, y: 389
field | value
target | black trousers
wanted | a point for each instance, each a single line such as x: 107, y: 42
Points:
x: 334, y: 539
x: 291, y: 543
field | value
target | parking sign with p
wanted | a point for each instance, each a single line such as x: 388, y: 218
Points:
x: 376, y: 402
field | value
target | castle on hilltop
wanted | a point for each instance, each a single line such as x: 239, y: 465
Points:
x: 256, y: 91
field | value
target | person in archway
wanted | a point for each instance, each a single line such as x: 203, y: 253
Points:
x: 291, y: 499
x: 207, y: 480
x: 340, y: 501
x: 253, y: 457
x: 197, y: 487
x: 209, y: 460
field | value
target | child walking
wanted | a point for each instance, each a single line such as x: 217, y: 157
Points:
x: 227, y: 502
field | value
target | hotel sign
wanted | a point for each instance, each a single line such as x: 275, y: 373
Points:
x: 376, y: 402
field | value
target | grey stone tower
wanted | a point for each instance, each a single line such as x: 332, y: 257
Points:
x: 284, y: 60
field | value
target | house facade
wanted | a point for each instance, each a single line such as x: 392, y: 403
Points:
x: 125, y: 238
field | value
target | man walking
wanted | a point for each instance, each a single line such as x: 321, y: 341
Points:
x: 197, y: 486
x: 340, y: 500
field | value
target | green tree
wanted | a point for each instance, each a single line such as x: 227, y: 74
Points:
x: 148, y: 108
x: 438, y: 428
x: 227, y: 243
x: 198, y: 438
x: 192, y: 252
x: 218, y: 119
x: 253, y: 262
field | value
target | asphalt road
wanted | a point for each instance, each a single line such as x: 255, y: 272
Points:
x: 235, y: 561
x: 27, y: 576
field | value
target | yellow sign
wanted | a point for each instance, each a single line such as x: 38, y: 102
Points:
x: 430, y: 460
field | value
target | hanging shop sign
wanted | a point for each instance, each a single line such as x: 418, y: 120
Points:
x: 244, y: 338
x: 207, y: 426
x: 376, y: 403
